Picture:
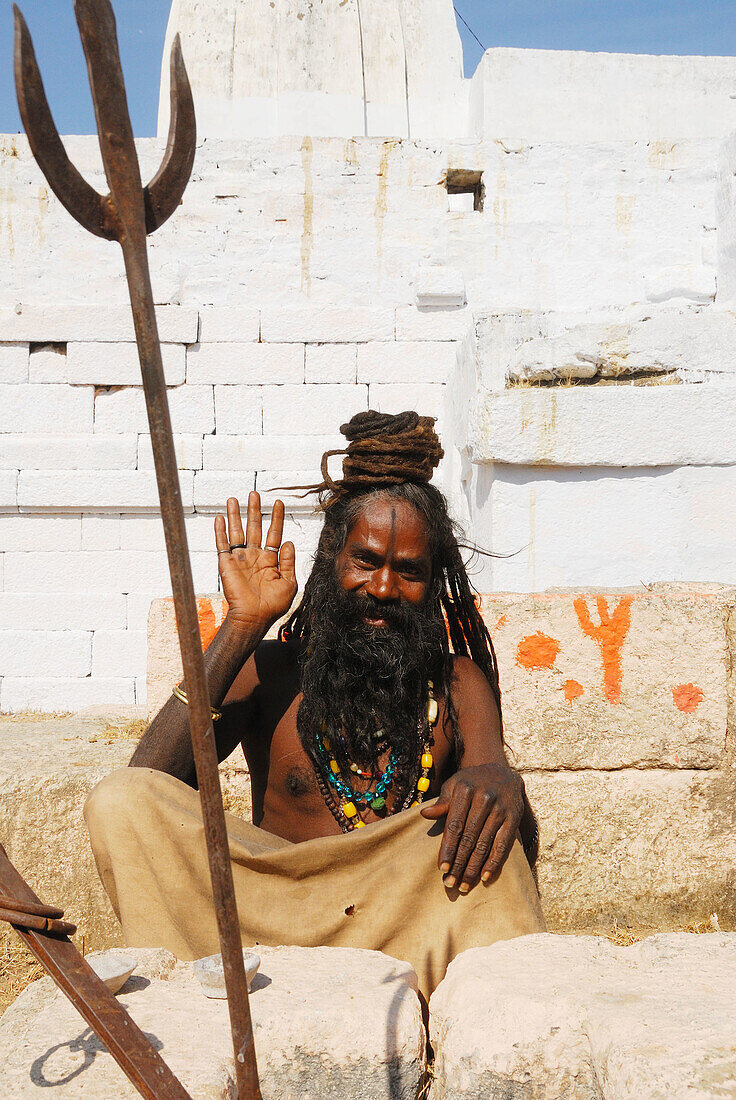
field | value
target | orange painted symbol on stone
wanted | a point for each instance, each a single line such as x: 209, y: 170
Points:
x: 610, y: 637
x: 208, y: 624
x: 537, y: 651
x: 572, y: 690
x: 687, y: 697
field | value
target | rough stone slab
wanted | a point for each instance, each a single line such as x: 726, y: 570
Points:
x: 572, y: 1018
x: 59, y: 324
x: 677, y: 425
x: 645, y: 849
x: 329, y: 1024
x: 614, y: 679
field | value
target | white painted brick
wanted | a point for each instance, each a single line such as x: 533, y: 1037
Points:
x: 211, y: 490
x: 138, y: 604
x: 245, y: 364
x: 62, y: 610
x: 68, y: 452
x: 48, y: 695
x: 268, y: 452
x: 13, y: 363
x: 407, y: 362
x: 47, y: 363
x: 60, y: 324
x: 104, y: 364
x: 56, y: 652
x: 147, y: 533
x: 427, y: 400
x: 439, y: 286
x: 94, y: 490
x: 40, y: 532
x: 119, y: 653
x: 433, y: 324
x: 108, y: 570
x: 310, y: 410
x: 331, y: 362
x: 270, y: 484
x: 8, y: 491
x: 239, y: 410
x: 192, y: 410
x: 188, y: 452
x: 225, y: 325
x: 319, y: 325
x: 100, y: 532
x: 35, y: 408
x: 141, y: 689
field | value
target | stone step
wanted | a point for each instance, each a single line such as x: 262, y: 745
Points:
x: 329, y: 1024
x: 572, y: 1018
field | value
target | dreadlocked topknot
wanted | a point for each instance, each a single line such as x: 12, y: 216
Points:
x: 382, y: 450
x: 396, y: 456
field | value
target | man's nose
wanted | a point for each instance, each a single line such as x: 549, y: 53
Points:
x: 384, y: 584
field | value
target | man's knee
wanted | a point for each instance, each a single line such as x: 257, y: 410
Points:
x: 118, y: 796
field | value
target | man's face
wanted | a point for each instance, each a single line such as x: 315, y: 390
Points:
x: 385, y: 560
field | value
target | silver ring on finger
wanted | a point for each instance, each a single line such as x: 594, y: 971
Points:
x: 223, y: 552
x: 272, y: 549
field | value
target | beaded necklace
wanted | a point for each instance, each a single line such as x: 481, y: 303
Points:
x: 345, y: 804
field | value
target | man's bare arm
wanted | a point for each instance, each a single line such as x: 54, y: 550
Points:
x: 259, y: 586
x: 484, y: 801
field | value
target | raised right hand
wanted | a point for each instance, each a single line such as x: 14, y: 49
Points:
x: 259, y: 584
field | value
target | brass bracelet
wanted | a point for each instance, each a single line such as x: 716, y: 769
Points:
x: 179, y: 692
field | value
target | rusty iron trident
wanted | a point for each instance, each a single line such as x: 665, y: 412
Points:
x: 127, y: 215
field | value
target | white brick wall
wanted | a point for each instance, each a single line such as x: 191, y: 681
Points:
x: 192, y: 410
x: 245, y: 364
x: 310, y: 410
x: 35, y: 409
x: 106, y: 364
x: 13, y: 363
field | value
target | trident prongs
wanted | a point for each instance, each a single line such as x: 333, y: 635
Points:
x: 162, y: 195
x: 127, y: 214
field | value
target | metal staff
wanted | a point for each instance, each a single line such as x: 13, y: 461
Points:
x: 47, y: 936
x: 126, y: 215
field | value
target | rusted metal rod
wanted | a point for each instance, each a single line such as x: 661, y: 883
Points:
x: 126, y: 215
x: 125, y: 1041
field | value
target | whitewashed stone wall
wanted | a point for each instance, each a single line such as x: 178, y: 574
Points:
x: 305, y: 278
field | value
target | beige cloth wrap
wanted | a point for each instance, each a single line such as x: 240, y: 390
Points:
x: 373, y: 888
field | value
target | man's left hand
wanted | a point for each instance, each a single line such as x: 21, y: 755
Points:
x: 484, y: 805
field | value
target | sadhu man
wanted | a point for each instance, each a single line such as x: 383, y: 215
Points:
x: 385, y: 814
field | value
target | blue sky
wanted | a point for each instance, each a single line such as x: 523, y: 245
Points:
x: 628, y: 26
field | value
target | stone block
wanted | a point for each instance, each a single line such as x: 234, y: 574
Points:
x: 239, y: 410
x: 408, y: 362
x: 614, y: 679
x: 100, y: 532
x: 245, y: 364
x: 437, y: 286
x: 58, y: 652
x: 61, y: 324
x: 95, y: 490
x: 47, y: 363
x: 320, y: 325
x: 236, y: 324
x: 310, y: 410
x: 106, y: 570
x: 164, y: 659
x: 192, y: 410
x: 107, y: 364
x: 36, y: 532
x: 331, y: 362
x: 47, y: 694
x: 62, y: 610
x: 647, y: 849
x: 267, y: 452
x: 8, y: 491
x: 47, y: 769
x: 570, y: 1018
x: 341, y: 1047
x: 68, y: 452
x: 427, y: 400
x: 13, y: 363
x: 211, y: 490
x: 33, y: 408
x: 119, y: 653
x: 188, y: 452
x: 433, y: 324
x: 676, y: 425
